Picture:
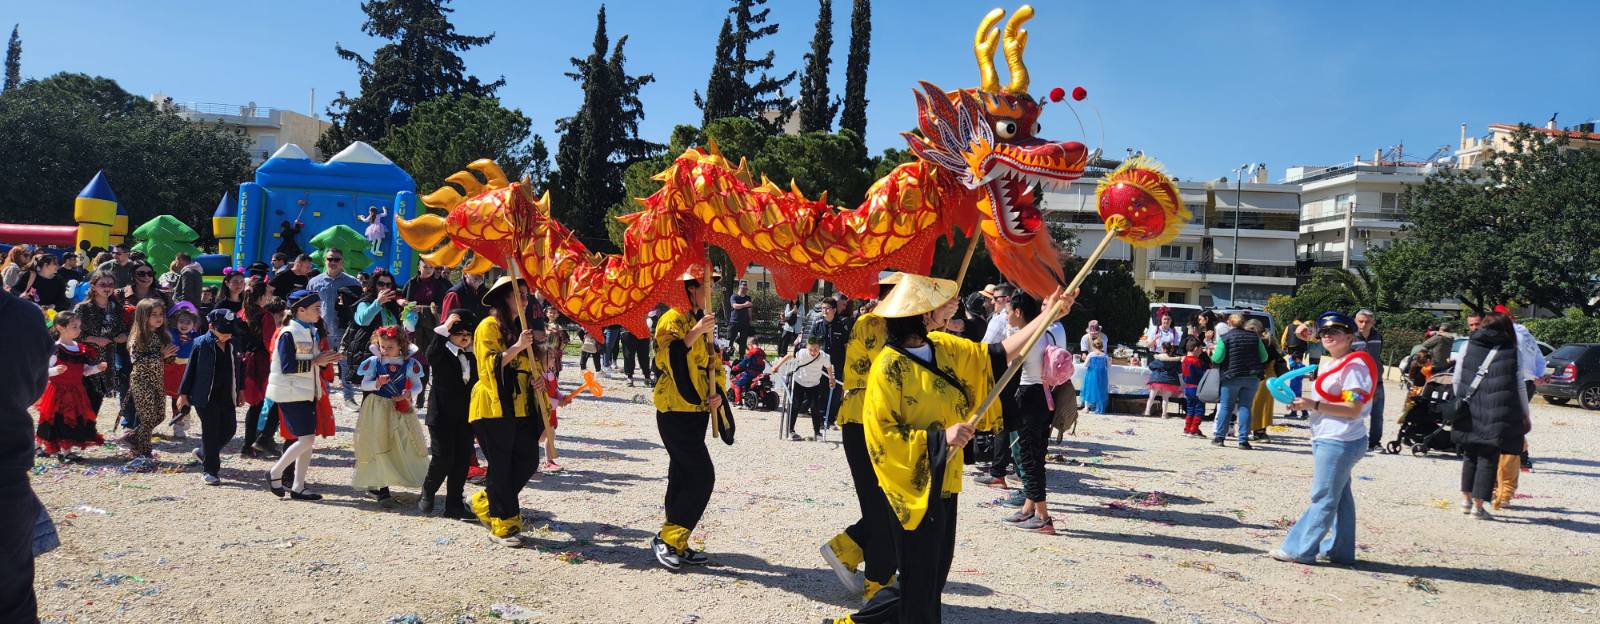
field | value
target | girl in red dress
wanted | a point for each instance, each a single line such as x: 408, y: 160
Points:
x: 66, y: 421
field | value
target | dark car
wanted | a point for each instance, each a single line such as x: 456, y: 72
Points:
x: 1573, y: 372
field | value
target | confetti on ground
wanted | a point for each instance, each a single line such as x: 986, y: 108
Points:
x: 1421, y: 584
x: 1149, y: 499
x: 514, y: 613
x: 409, y: 618
x: 110, y: 579
x: 1441, y: 503
x: 1146, y: 582
x: 572, y: 557
x: 443, y: 541
x: 1208, y: 567
x: 1523, y: 496
x: 1278, y: 428
x: 85, y: 509
x: 1127, y: 432
x: 1364, y: 478
x: 1283, y: 522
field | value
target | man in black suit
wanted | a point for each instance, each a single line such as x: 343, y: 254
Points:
x: 454, y: 372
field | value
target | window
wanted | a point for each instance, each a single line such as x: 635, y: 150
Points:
x: 1343, y: 202
x: 1177, y: 297
x: 1172, y: 252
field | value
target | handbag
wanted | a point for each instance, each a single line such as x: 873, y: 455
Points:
x: 1209, y: 390
x: 1456, y: 411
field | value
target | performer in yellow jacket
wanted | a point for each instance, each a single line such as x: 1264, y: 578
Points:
x: 506, y: 414
x: 867, y: 541
x: 687, y: 393
x: 920, y: 392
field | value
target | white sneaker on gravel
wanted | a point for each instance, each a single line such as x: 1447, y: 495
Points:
x: 847, y: 577
x: 210, y: 479
x: 1481, y: 514
x: 1466, y: 507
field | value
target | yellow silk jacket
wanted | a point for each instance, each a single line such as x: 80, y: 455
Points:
x: 487, y: 345
x: 704, y: 364
x: 866, y: 340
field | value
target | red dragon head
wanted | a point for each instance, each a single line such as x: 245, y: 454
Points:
x: 987, y: 138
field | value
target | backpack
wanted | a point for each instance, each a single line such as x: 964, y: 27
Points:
x: 1059, y: 393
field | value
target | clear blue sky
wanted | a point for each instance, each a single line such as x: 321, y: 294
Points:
x: 1202, y: 86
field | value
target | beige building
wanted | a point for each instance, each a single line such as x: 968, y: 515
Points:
x: 1473, y: 150
x: 1350, y: 208
x: 268, y: 128
x: 1198, y: 266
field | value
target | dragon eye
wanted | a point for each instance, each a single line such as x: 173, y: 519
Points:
x: 1005, y: 129
x: 1037, y: 128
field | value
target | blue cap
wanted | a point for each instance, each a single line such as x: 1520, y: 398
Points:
x: 221, y: 320
x: 1334, y: 319
x: 302, y: 298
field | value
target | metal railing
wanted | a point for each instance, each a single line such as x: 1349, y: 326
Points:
x: 231, y: 110
x: 1200, y: 267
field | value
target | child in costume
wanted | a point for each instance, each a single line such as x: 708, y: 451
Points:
x: 295, y: 385
x: 1164, y: 370
x: 182, y: 329
x: 149, y: 348
x: 66, y: 420
x: 256, y: 327
x: 375, y: 230
x: 449, y: 434
x: 751, y: 365
x: 505, y: 412
x: 211, y: 382
x: 1097, y: 370
x: 552, y: 389
x: 389, y: 446
x: 1193, y: 368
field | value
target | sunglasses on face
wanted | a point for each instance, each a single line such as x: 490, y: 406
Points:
x: 335, y: 259
x: 144, y: 274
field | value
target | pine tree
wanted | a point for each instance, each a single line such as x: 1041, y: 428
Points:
x: 539, y: 170
x: 420, y: 63
x: 13, y: 61
x: 600, y: 141
x: 816, y: 112
x: 854, y: 116
x: 761, y: 100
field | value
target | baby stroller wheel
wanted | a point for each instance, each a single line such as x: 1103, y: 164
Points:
x: 1419, y: 449
x: 1393, y: 447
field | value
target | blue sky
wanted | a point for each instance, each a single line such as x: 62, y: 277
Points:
x: 1203, y: 86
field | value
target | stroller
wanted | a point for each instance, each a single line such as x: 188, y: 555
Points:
x: 1422, y: 426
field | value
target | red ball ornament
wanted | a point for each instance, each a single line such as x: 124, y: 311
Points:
x: 1078, y: 93
x: 1057, y: 94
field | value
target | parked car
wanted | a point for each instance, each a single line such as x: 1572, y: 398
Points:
x: 1572, y: 372
x: 1461, y: 343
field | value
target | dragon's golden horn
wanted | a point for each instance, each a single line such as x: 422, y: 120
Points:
x: 443, y: 199
x: 984, y: 44
x: 479, y: 265
x: 423, y: 232
x: 446, y: 256
x: 491, y: 172
x: 466, y: 181
x: 1016, y: 42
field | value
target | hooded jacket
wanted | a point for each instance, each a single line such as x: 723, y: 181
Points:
x: 1498, y: 403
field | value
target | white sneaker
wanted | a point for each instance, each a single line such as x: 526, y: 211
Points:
x: 1481, y: 514
x: 180, y: 432
x: 846, y: 575
x: 1466, y: 507
x: 210, y: 479
x: 513, y: 540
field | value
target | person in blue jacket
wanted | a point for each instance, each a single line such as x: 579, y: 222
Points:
x: 211, y: 384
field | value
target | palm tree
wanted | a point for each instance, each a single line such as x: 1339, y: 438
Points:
x: 1363, y: 287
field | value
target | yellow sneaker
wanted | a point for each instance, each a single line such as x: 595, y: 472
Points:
x: 843, y: 555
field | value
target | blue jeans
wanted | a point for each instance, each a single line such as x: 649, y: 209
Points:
x: 1328, y: 526
x: 1236, y: 395
x: 1375, y: 430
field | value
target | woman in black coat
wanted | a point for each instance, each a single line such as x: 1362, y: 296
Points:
x: 1498, y: 421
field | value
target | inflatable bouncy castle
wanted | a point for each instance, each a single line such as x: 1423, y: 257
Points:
x: 294, y: 201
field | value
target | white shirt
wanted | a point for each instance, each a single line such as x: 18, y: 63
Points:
x: 1355, y: 378
x: 1164, y: 337
x: 1530, y: 360
x: 808, y: 369
x: 998, y: 328
x: 462, y: 355
x: 1034, y: 364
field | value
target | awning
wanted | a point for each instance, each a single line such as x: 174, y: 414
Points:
x: 1271, y: 251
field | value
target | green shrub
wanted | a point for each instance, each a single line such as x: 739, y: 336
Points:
x: 1570, y: 327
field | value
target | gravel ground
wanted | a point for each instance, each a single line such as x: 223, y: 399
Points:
x: 1155, y: 527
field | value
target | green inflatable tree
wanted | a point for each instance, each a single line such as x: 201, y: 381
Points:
x: 162, y: 238
x: 345, y: 239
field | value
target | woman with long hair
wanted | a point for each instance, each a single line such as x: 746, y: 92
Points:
x: 256, y: 327
x: 18, y: 261
x: 100, y: 314
x: 234, y: 293
x: 144, y: 286
x: 1489, y: 382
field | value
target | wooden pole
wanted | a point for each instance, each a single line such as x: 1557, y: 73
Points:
x: 966, y: 261
x: 1112, y: 229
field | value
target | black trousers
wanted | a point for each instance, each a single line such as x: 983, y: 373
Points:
x: 814, y: 400
x: 253, y: 429
x: 218, y: 422
x: 923, y: 555
x: 1010, y: 422
x: 635, y: 350
x: 785, y: 340
x: 584, y: 357
x: 1479, y: 467
x: 511, y: 447
x: 740, y: 334
x: 872, y: 532
x: 690, y: 475
x: 19, y: 511
x: 1033, y: 438
x: 130, y: 418
x: 451, y: 447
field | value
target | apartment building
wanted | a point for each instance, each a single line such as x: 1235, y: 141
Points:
x: 268, y: 128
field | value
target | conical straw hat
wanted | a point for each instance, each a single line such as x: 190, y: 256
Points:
x: 915, y: 295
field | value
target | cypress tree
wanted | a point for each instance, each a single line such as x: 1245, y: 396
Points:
x: 761, y: 100
x: 13, y: 61
x: 816, y: 112
x: 718, y: 101
x: 420, y: 63
x: 600, y: 140
x: 854, y: 116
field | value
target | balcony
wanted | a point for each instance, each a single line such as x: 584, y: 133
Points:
x: 1199, y: 269
x: 1257, y: 221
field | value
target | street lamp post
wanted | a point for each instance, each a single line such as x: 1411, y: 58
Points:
x: 1238, y: 210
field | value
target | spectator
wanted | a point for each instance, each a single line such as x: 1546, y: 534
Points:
x: 328, y: 287
x: 833, y: 332
x: 280, y: 261
x: 144, y: 286
x: 1368, y: 339
x: 1000, y: 309
x: 1530, y: 366
x: 1489, y: 383
x: 296, y: 277
x: 1242, y: 355
x: 791, y: 326
x: 27, y: 347
x: 120, y: 265
x: 427, y: 287
x: 70, y: 269
x: 1438, y: 347
x: 42, y: 284
x: 468, y: 295
x: 191, y: 278
x: 1263, y: 405
x: 740, y: 313
x: 1097, y: 369
x: 1164, y: 335
x: 18, y: 262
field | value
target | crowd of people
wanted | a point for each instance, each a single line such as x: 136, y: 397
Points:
x: 442, y: 372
